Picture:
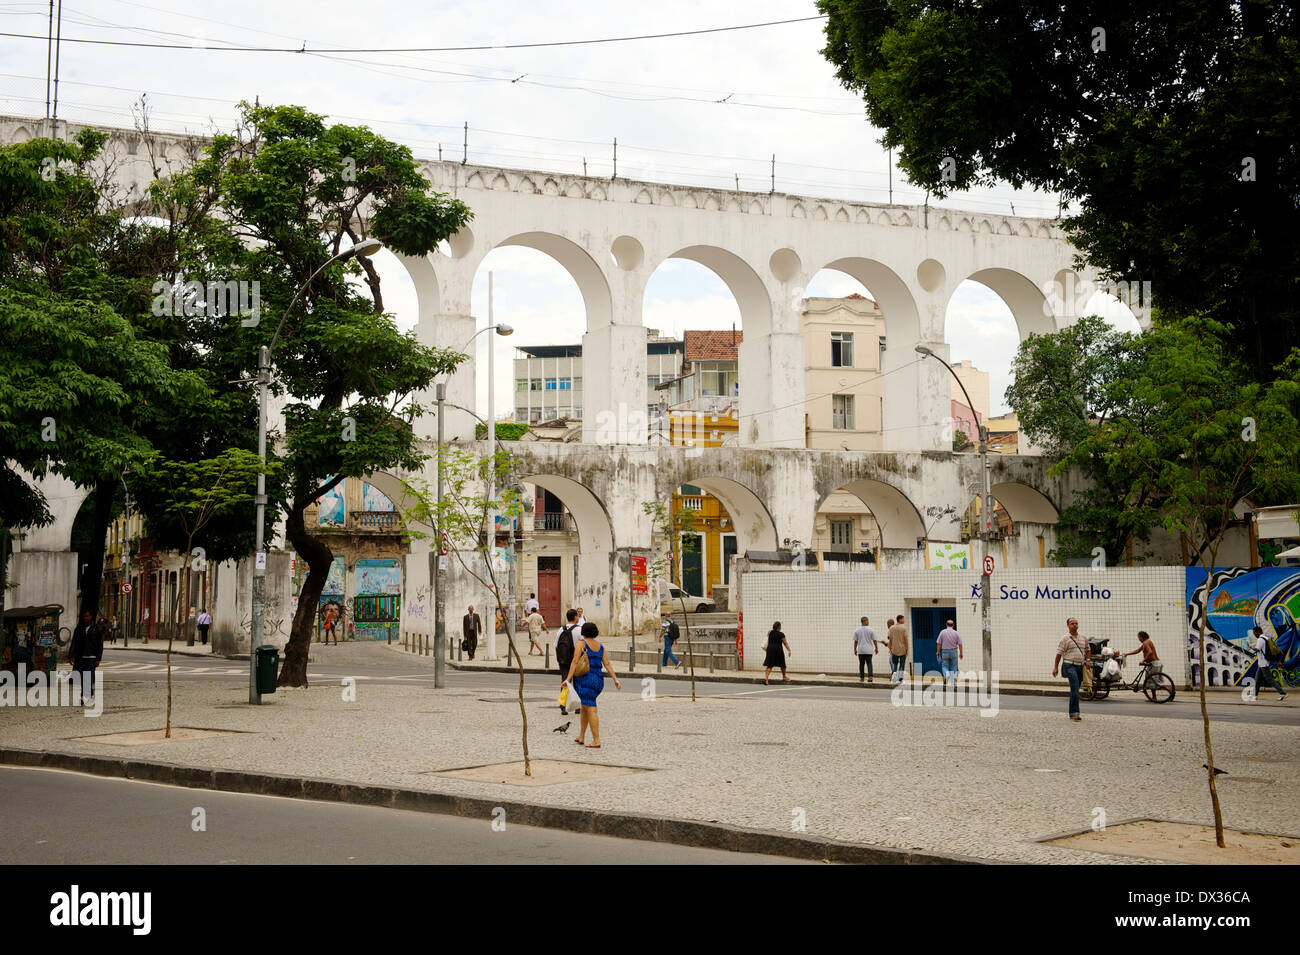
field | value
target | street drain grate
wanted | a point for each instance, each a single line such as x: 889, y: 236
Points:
x: 687, y: 733
x: 766, y: 743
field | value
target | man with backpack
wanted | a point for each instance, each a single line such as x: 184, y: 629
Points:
x: 670, y: 635
x: 1269, y: 652
x: 564, y: 648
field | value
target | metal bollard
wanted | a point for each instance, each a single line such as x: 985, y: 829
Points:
x: 547, y: 664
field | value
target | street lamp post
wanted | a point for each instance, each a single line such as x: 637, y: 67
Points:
x: 986, y: 519
x: 490, y: 427
x: 364, y: 248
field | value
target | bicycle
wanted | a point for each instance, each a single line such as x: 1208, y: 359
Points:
x: 1157, y: 687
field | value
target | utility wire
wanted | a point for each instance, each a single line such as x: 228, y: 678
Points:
x: 419, y: 49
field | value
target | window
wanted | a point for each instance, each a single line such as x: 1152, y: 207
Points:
x: 842, y: 412
x: 521, y: 384
x: 535, y: 384
x: 841, y: 349
x: 566, y: 384
x: 577, y: 412
x: 651, y: 380
x: 577, y: 384
x: 841, y: 536
x: 534, y: 416
x: 550, y: 384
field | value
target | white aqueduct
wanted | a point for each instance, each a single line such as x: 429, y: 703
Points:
x: 610, y: 236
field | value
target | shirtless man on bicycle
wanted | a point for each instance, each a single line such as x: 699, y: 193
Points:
x: 1148, y: 650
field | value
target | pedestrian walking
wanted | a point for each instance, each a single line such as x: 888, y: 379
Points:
x: 1264, y: 664
x: 536, y: 627
x: 565, y: 643
x: 777, y: 647
x: 114, y: 629
x: 531, y: 604
x: 897, y: 640
x: 590, y: 684
x: 471, y: 627
x: 330, y: 626
x: 948, y: 650
x: 204, y: 621
x: 670, y: 633
x: 864, y: 645
x: 85, y: 652
x: 582, y: 620
x: 1072, y: 655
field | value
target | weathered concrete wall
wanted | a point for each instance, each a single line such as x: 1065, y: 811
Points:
x: 40, y: 577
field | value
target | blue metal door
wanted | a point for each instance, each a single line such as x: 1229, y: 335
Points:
x: 926, y: 624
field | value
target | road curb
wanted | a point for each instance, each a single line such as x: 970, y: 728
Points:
x: 648, y: 828
x: 751, y: 680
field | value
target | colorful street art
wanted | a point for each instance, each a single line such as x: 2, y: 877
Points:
x: 377, y: 608
x: 1240, y: 599
x: 373, y: 499
x: 946, y: 556
x: 333, y: 508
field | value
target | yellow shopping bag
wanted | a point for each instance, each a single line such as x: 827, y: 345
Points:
x: 564, y: 695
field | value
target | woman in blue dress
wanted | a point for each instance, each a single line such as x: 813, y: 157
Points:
x: 591, y: 683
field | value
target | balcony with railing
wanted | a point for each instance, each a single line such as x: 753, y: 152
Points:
x: 374, y: 520
x: 554, y: 522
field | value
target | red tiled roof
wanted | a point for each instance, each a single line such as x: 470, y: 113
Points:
x: 711, y: 345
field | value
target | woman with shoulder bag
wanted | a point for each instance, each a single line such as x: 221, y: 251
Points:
x: 777, y: 647
x: 586, y: 677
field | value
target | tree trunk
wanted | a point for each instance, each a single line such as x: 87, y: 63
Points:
x: 319, y: 557
x: 92, y: 577
x: 690, y: 650
x: 1205, y: 713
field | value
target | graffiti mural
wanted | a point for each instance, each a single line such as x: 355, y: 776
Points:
x: 333, y: 509
x: 946, y: 556
x: 377, y: 608
x: 373, y: 499
x: 1238, y: 600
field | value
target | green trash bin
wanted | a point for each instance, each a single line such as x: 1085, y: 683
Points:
x: 268, y: 664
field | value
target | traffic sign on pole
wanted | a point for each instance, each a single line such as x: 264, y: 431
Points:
x: 126, y: 587
x: 988, y: 565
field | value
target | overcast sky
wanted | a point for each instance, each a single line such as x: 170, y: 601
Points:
x: 545, y: 108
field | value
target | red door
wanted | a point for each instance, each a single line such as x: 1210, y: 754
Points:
x: 548, y: 589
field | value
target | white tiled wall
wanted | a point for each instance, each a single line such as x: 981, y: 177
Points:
x: 819, y: 612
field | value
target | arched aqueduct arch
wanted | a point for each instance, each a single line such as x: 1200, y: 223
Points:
x: 753, y: 524
x: 901, y: 524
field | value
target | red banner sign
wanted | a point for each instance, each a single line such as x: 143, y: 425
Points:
x: 638, y: 576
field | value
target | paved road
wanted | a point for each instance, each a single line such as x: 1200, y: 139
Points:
x: 73, y: 819
x: 126, y: 665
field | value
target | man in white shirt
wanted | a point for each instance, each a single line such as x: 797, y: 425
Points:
x: 864, y: 645
x: 531, y: 604
x: 1263, y: 664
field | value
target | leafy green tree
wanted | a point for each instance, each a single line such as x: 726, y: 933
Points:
x: 282, y: 195
x: 1171, y: 125
x: 1075, y: 394
x: 959, y: 440
x: 195, y: 493
x: 461, y: 519
x: 77, y: 377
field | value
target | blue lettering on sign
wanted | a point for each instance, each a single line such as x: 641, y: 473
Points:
x: 1050, y: 593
